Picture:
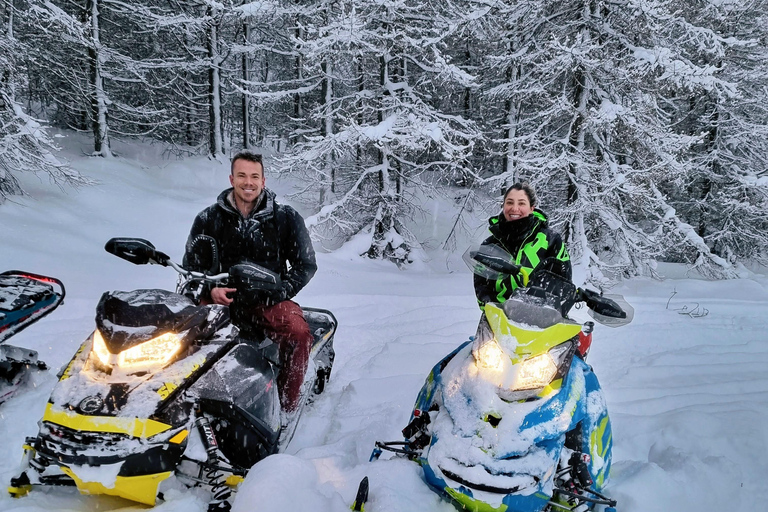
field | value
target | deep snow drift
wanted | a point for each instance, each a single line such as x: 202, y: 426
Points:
x: 687, y: 394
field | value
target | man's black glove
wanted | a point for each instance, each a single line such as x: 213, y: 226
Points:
x: 275, y: 297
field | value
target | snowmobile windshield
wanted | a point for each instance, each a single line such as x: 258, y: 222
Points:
x: 543, y: 288
x: 126, y: 319
x: 548, y: 289
x: 524, y: 311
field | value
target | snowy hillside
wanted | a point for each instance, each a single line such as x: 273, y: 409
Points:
x: 687, y: 394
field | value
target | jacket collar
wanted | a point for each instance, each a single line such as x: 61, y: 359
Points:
x: 539, y: 218
x: 265, y: 203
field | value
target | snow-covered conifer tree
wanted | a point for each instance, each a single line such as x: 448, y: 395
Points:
x: 24, y: 144
x: 378, y: 138
x: 581, y: 90
x: 90, y: 67
x: 725, y: 194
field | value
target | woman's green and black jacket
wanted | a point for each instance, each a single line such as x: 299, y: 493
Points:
x: 530, y: 242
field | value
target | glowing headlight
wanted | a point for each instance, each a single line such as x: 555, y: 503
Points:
x: 156, y: 351
x: 100, y: 349
x: 539, y: 371
x: 489, y: 355
x: 536, y: 372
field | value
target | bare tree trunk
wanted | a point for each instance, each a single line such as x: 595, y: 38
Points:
x: 574, y: 230
x: 705, y: 188
x: 512, y: 109
x: 360, y: 116
x: 246, y: 100
x: 298, y: 110
x: 387, y: 240
x: 99, y: 121
x: 8, y: 184
x: 6, y: 77
x: 329, y: 185
x: 216, y: 143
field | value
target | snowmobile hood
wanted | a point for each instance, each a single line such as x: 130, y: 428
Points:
x: 540, y: 330
x: 126, y: 319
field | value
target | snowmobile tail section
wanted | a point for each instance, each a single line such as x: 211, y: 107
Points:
x: 25, y: 298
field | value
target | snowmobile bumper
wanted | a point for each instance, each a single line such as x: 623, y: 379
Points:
x: 533, y: 502
x: 101, y: 455
x: 477, y: 490
x: 141, y: 488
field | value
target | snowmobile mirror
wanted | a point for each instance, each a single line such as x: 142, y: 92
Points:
x: 490, y: 261
x: 136, y: 250
x: 204, y: 255
x: 253, y: 277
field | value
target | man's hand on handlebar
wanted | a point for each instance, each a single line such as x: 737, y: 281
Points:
x: 222, y: 296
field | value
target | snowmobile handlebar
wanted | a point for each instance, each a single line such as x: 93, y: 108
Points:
x: 136, y: 250
x: 191, y: 274
x: 247, y: 276
x: 493, y: 262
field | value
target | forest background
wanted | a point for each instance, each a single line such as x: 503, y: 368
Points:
x: 642, y: 123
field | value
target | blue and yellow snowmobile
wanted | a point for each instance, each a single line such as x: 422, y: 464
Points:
x: 514, y: 419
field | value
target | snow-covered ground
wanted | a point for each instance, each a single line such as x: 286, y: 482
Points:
x: 688, y: 394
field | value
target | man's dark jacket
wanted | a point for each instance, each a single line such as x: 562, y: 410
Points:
x: 270, y: 236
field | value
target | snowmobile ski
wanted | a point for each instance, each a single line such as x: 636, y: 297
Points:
x: 362, y: 496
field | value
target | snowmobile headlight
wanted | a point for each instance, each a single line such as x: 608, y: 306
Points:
x: 101, y: 351
x: 157, y: 351
x: 539, y: 371
x: 536, y: 372
x: 489, y: 355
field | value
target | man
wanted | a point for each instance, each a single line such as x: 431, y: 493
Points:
x: 250, y: 226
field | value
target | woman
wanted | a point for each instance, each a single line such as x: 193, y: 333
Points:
x: 522, y: 231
